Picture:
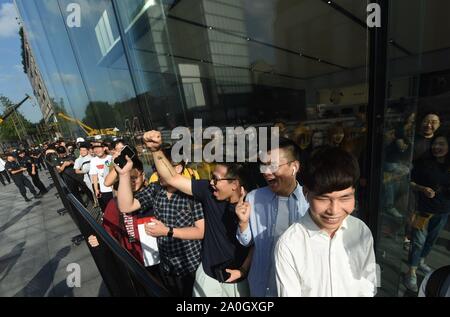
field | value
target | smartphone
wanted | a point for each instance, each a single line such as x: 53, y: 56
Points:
x: 121, y: 159
x: 221, y: 274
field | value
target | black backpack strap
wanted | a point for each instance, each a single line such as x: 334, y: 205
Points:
x: 436, y: 282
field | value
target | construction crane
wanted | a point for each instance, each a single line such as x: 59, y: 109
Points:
x: 9, y: 111
x: 87, y: 129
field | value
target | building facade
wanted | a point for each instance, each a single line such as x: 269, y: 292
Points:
x: 39, y: 88
x: 316, y: 68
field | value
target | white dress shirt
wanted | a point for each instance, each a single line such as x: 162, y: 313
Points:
x: 270, y: 216
x: 309, y: 263
x: 2, y: 165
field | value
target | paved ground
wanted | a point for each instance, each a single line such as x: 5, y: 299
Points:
x: 36, y: 248
x: 393, y: 257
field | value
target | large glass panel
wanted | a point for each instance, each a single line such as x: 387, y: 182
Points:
x: 252, y: 63
x: 55, y: 61
x: 233, y: 62
x: 418, y: 77
x: 98, y: 50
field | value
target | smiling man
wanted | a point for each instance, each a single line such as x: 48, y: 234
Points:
x: 328, y: 252
x: 268, y: 212
x: 222, y: 272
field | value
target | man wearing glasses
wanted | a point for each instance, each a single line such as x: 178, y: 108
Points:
x: 428, y: 127
x: 268, y: 212
x: 225, y: 261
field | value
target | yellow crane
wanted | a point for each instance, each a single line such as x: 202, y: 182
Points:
x: 87, y: 129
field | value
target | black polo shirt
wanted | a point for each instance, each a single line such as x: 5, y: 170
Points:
x: 430, y: 173
x: 69, y: 172
x: 12, y: 167
x: 27, y: 162
x: 221, y: 249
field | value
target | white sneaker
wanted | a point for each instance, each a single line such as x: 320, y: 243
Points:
x: 424, y: 268
x: 394, y: 212
x: 410, y: 281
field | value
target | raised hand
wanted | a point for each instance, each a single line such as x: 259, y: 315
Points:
x: 153, y: 140
x: 126, y: 169
x: 243, y: 209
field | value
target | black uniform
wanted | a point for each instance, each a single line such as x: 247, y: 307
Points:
x: 28, y: 163
x: 73, y: 181
x: 20, y: 180
x: 37, y: 155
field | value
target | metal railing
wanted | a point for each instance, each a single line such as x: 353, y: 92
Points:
x: 122, y: 274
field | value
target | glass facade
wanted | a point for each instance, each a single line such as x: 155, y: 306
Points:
x: 417, y: 85
x: 302, y: 65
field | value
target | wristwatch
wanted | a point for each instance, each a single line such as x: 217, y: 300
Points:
x: 170, y: 233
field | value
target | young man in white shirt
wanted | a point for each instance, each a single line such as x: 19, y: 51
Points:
x: 328, y: 252
x: 98, y: 171
x: 82, y: 166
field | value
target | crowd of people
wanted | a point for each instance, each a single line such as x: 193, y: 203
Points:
x: 226, y: 234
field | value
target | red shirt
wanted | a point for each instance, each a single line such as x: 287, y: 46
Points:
x: 123, y: 227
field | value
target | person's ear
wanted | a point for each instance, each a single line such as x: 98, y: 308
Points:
x: 295, y: 168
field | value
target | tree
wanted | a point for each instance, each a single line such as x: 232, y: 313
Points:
x: 16, y: 127
x: 100, y: 115
x: 23, y: 53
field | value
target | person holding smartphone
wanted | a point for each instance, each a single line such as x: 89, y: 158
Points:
x: 178, y: 226
x: 98, y: 171
x: 225, y: 262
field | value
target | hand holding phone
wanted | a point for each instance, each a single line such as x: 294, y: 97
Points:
x: 121, y: 159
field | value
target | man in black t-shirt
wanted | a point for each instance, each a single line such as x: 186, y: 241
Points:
x: 29, y: 164
x: 225, y: 262
x: 17, y: 174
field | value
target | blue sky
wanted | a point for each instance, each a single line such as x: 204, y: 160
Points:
x: 14, y: 83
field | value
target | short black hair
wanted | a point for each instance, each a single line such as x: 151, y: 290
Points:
x: 237, y: 171
x: 330, y: 169
x: 137, y: 164
x: 290, y: 147
x: 114, y: 143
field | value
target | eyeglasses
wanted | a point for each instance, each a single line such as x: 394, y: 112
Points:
x: 432, y: 122
x: 215, y: 180
x: 272, y: 167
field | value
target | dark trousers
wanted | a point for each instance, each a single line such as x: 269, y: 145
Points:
x: 37, y: 182
x: 104, y: 200
x: 178, y: 286
x: 5, y: 174
x: 21, y: 182
x: 423, y: 240
x: 40, y: 164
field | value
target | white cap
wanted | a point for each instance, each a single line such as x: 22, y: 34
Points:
x: 79, y: 140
